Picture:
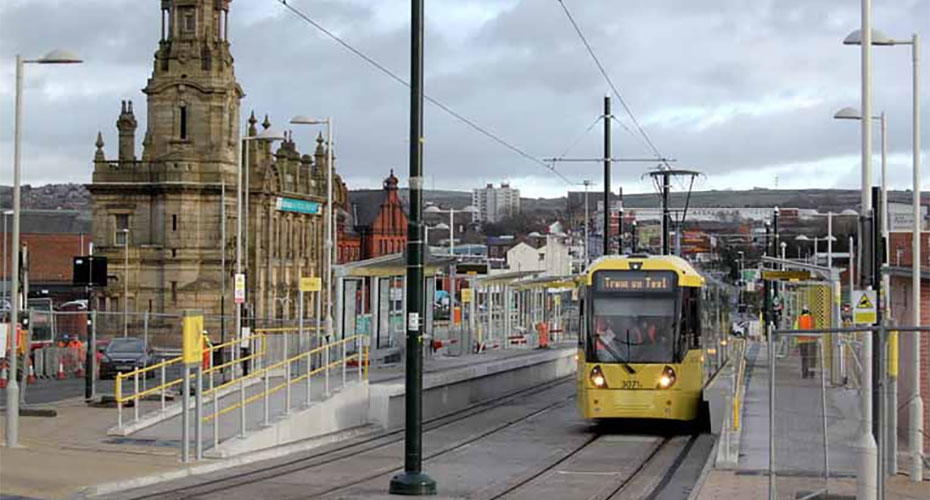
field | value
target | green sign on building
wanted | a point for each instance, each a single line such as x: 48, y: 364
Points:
x: 298, y: 206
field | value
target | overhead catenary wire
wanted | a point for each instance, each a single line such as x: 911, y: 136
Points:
x: 440, y: 105
x: 610, y: 82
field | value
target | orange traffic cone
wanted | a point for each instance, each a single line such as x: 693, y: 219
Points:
x: 61, y: 370
x: 31, y: 379
x: 3, y: 375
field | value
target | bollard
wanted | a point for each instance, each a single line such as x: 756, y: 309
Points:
x: 266, y: 411
x: 358, y: 355
x: 344, y: 363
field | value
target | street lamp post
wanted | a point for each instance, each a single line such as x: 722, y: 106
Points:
x: 264, y: 135
x: 125, y: 232
x: 328, y: 258
x: 12, y: 390
x: 915, y: 409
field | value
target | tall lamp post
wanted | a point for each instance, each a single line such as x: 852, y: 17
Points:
x: 330, y: 247
x: 915, y: 409
x: 12, y: 391
x: 265, y: 135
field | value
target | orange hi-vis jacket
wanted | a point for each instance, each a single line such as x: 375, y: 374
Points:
x: 806, y: 322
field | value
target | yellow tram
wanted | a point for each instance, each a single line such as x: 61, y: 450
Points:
x: 652, y: 335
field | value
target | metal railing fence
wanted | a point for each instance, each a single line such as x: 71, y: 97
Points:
x: 138, y: 393
x: 820, y: 431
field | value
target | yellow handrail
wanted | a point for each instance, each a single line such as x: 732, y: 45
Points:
x: 287, y: 362
x: 120, y: 376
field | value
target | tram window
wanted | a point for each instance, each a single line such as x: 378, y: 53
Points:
x: 691, y: 318
x: 582, y: 314
x: 633, y: 330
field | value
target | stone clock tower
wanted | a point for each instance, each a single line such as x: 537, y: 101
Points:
x: 166, y: 221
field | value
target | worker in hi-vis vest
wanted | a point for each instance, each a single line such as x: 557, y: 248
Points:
x: 808, y: 343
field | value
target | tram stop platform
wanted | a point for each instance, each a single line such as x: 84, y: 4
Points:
x: 799, y: 437
x: 76, y: 454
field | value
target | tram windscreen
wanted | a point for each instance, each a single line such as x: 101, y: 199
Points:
x: 633, y: 329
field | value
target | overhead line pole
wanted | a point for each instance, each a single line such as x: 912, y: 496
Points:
x: 412, y: 481
x: 607, y: 161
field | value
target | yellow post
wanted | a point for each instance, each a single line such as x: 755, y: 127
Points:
x: 366, y: 361
x: 893, y: 354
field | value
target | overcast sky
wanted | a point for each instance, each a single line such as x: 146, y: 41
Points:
x: 743, y: 91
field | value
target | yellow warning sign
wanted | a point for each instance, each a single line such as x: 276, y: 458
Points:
x: 864, y: 302
x: 466, y: 295
x: 864, y: 312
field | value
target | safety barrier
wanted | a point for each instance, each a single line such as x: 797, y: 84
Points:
x: 137, y: 396
x: 315, y: 361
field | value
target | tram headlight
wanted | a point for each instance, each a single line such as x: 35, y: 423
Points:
x: 597, y: 378
x: 668, y: 377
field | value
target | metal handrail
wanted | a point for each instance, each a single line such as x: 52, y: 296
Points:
x: 291, y: 381
x: 141, y: 371
x: 162, y: 388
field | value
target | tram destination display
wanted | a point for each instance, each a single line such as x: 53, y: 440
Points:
x: 635, y: 281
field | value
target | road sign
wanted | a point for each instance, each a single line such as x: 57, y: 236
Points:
x: 467, y: 294
x: 239, y: 296
x: 311, y: 284
x: 864, y: 307
x: 786, y: 275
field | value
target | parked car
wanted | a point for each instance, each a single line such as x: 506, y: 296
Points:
x: 126, y: 354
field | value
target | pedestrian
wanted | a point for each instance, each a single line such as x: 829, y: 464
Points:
x: 807, y: 343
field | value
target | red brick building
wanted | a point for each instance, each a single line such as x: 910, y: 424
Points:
x: 900, y: 259
x: 380, y: 220
x: 53, y: 239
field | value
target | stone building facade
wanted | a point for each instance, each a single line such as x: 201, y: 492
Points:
x: 173, y: 211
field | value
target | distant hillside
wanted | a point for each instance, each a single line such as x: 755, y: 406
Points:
x: 76, y: 197
x: 48, y: 197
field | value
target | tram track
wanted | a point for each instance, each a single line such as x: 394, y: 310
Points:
x: 645, y: 481
x: 363, y: 445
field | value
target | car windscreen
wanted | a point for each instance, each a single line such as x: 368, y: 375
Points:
x: 126, y: 346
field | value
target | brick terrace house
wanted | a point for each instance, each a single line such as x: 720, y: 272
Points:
x: 380, y: 220
x: 900, y: 259
x: 53, y: 239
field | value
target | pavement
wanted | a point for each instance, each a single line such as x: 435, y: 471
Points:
x: 61, y: 455
x: 799, y: 438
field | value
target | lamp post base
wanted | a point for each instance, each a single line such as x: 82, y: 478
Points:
x: 412, y: 484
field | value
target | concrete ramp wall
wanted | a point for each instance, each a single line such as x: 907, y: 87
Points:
x: 347, y: 408
x: 456, y: 389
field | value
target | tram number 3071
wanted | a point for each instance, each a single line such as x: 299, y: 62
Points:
x: 631, y: 384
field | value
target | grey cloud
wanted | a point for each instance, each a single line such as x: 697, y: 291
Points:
x: 522, y: 74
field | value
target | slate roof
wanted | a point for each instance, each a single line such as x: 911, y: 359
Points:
x: 53, y: 222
